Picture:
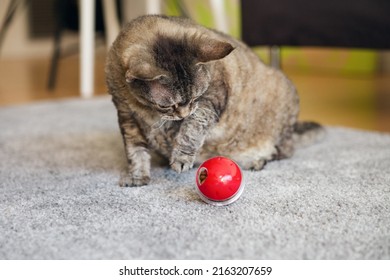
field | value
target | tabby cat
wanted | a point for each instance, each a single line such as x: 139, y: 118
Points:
x: 190, y: 93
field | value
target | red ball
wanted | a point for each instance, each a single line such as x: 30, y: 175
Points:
x: 219, y: 181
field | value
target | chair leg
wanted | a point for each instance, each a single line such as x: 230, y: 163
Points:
x: 275, y: 57
x: 153, y: 6
x: 219, y: 15
x: 54, y: 61
x: 87, y: 48
x: 9, y: 16
x: 111, y: 21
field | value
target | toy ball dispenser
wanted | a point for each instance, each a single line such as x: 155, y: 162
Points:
x: 219, y: 181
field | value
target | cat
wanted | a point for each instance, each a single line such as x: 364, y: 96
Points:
x: 190, y: 93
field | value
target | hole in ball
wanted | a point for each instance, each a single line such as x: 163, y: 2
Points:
x: 202, y: 175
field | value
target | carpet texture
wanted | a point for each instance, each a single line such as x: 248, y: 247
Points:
x: 60, y: 164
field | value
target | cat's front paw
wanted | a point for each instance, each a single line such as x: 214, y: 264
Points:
x: 181, y: 162
x: 180, y: 167
x: 133, y: 180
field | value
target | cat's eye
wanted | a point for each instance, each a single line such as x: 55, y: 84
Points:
x: 164, y: 80
x: 164, y: 107
x: 194, y: 98
x: 167, y: 108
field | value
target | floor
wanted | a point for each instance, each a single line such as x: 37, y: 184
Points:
x: 359, y: 101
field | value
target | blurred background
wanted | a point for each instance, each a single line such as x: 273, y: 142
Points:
x: 40, y: 59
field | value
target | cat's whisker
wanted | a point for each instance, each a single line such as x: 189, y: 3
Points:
x: 193, y: 111
x: 159, y: 124
x: 201, y: 117
x: 170, y: 118
x: 207, y: 111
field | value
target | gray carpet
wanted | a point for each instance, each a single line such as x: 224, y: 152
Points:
x: 59, y: 199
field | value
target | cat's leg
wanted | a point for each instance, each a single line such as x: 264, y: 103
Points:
x: 286, y: 145
x: 187, y: 143
x: 285, y: 149
x: 137, y: 153
x: 255, y: 158
x: 190, y: 138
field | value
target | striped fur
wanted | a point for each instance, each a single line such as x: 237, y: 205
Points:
x: 190, y: 93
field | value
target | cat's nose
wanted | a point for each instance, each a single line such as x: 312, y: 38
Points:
x: 184, y: 111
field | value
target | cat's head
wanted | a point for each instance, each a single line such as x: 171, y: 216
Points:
x: 171, y: 74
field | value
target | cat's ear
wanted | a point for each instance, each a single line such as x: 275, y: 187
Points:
x: 211, y: 49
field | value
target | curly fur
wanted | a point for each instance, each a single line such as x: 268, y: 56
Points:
x: 191, y: 93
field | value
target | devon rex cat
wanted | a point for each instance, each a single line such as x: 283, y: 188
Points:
x: 190, y: 93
